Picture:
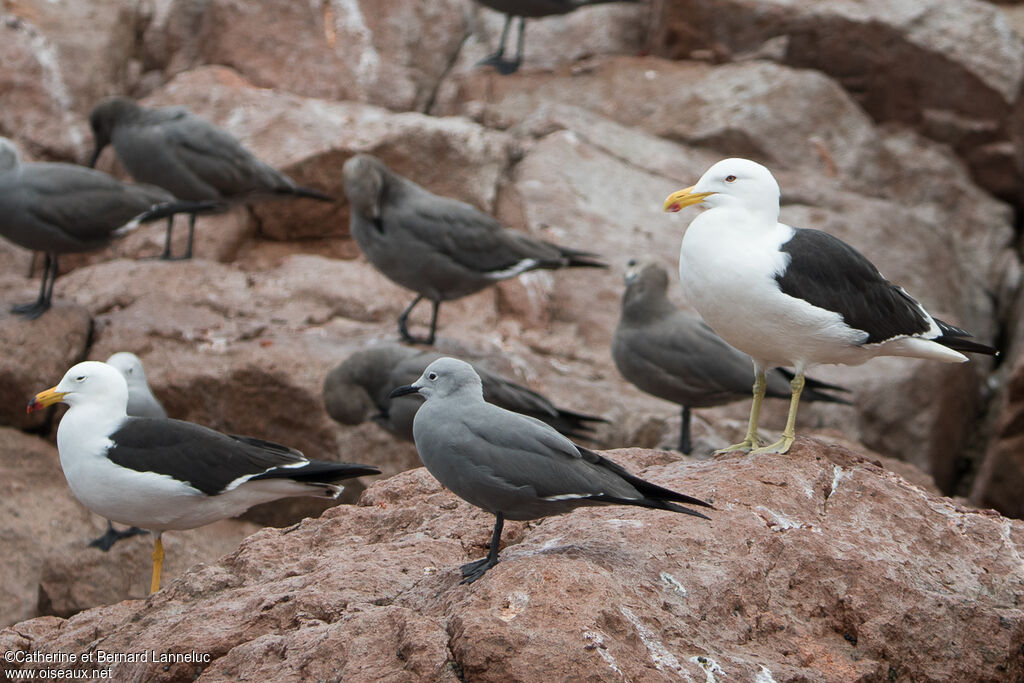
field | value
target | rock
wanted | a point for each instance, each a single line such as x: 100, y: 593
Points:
x: 1000, y: 478
x: 37, y: 111
x: 47, y: 567
x: 36, y: 355
x: 815, y: 566
x: 385, y: 52
x: 952, y: 70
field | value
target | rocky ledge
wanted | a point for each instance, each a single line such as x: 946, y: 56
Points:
x: 820, y: 565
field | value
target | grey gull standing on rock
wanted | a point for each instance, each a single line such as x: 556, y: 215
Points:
x: 793, y: 296
x: 172, y: 148
x: 141, y: 403
x: 162, y: 474
x: 524, y: 9
x: 60, y: 208
x: 357, y: 389
x: 511, y: 465
x: 675, y: 356
x: 440, y: 248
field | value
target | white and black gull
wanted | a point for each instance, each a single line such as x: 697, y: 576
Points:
x: 162, y: 474
x: 188, y: 156
x: 674, y: 355
x: 511, y: 465
x: 440, y: 248
x: 793, y: 297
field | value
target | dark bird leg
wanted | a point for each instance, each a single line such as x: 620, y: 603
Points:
x: 403, y: 323
x: 497, y: 60
x: 107, y: 540
x: 684, y: 432
x: 42, y: 304
x: 474, y: 570
x: 166, y: 256
x: 191, y: 236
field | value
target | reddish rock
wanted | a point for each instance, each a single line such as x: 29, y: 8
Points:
x: 818, y: 565
x: 36, y: 354
x: 386, y: 52
x: 953, y: 70
x: 1000, y: 480
x: 37, y: 110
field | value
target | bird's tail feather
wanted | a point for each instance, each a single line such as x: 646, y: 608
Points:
x: 320, y: 472
x: 955, y: 338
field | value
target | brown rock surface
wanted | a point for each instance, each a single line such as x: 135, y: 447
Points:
x: 1000, y: 481
x: 953, y: 70
x: 818, y: 566
x: 36, y: 353
x: 47, y: 567
x: 386, y: 52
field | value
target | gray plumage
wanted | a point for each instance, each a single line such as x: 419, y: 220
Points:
x: 511, y: 465
x: 438, y: 247
x: 186, y: 155
x: 141, y: 401
x: 61, y: 208
x: 674, y: 355
x: 524, y: 9
x: 357, y: 389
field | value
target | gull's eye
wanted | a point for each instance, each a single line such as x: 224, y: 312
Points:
x: 730, y: 179
x: 432, y: 376
x: 80, y: 378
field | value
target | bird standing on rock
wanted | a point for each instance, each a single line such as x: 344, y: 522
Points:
x: 60, y: 208
x: 675, y: 356
x: 172, y: 148
x: 531, y: 9
x: 358, y: 388
x: 792, y: 296
x: 440, y: 248
x: 511, y: 465
x: 162, y: 474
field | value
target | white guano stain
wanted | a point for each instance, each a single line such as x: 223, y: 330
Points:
x: 515, y: 604
x: 596, y: 639
x: 709, y: 666
x: 662, y: 658
x: 838, y: 474
x: 673, y: 583
x: 764, y: 676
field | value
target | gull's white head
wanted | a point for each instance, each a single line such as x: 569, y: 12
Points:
x: 88, y: 382
x: 732, y: 183
x: 444, y: 377
x: 130, y: 367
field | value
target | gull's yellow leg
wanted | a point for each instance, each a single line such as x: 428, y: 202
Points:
x: 789, y: 433
x: 158, y: 562
x: 751, y: 440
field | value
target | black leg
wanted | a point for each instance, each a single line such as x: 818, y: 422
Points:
x: 166, y: 256
x: 403, y: 323
x: 497, y: 60
x: 112, y: 536
x: 191, y: 234
x: 474, y: 570
x: 42, y: 304
x: 684, y: 432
